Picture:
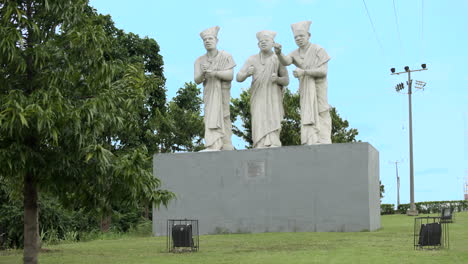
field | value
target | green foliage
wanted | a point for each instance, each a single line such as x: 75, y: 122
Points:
x: 240, y: 107
x: 387, y: 209
x: 58, y: 112
x: 143, y: 229
x: 56, y: 223
x: 431, y: 207
x: 382, y: 189
x: 341, y: 133
x: 291, y: 125
x: 185, y: 120
x: 188, y: 98
x: 134, y: 50
x: 11, y: 223
x: 78, y: 100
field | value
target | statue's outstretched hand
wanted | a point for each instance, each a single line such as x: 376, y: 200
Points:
x: 278, y: 48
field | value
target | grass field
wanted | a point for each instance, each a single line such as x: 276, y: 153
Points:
x: 393, y: 243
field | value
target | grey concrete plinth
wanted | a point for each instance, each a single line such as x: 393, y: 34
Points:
x: 410, y: 212
x: 300, y: 188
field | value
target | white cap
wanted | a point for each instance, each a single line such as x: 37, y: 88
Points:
x: 266, y: 34
x: 301, y: 26
x: 212, y: 31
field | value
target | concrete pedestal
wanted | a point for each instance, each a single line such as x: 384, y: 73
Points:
x: 331, y: 188
x: 410, y: 212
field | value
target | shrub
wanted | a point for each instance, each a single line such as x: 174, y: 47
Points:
x: 432, y: 207
x: 62, y: 224
x: 387, y: 209
x: 57, y: 223
x: 11, y: 226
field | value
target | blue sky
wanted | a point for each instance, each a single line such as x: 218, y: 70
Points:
x: 360, y: 84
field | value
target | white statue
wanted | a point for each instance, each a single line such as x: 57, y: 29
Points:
x: 311, y: 61
x: 266, y: 103
x: 215, y: 70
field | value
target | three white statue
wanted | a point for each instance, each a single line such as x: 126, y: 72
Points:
x: 269, y: 76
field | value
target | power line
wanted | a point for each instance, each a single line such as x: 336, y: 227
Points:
x: 398, y: 182
x: 373, y: 27
x: 398, y: 28
x: 422, y: 30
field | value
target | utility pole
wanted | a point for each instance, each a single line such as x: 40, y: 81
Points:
x: 398, y: 183
x: 466, y: 185
x: 412, y: 210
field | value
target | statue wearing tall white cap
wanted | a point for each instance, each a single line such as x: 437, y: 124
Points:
x: 266, y: 102
x: 311, y: 61
x: 215, y: 70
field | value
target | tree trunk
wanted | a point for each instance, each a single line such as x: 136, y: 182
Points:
x: 106, y: 221
x: 147, y: 212
x: 31, y: 221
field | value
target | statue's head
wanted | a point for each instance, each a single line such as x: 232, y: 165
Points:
x: 266, y: 39
x: 301, y: 32
x: 210, y: 37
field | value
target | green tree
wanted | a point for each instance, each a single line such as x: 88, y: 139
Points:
x: 291, y: 125
x: 63, y: 100
x: 290, y: 128
x: 382, y: 189
x: 341, y: 133
x: 146, y: 130
x: 184, y: 114
x: 240, y: 107
x: 132, y: 49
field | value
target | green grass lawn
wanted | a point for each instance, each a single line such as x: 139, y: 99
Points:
x: 391, y: 244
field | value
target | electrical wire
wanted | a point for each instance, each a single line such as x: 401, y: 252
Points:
x: 398, y: 28
x: 373, y: 27
x: 422, y: 30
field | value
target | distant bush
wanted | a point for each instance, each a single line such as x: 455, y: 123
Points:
x: 432, y: 207
x: 387, y: 209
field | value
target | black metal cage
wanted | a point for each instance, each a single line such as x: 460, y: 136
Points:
x: 447, y: 215
x: 182, y: 235
x: 430, y: 233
